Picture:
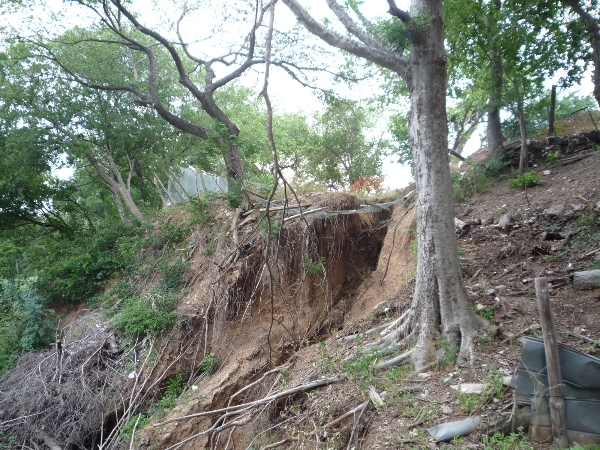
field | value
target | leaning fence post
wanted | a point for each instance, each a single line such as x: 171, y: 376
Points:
x: 557, y: 396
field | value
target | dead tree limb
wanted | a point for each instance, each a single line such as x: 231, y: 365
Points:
x: 286, y: 393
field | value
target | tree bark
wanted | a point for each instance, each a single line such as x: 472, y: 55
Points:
x: 115, y: 182
x: 593, y: 28
x: 524, y: 158
x: 551, y: 112
x: 440, y: 301
x: 494, y: 129
x: 588, y: 279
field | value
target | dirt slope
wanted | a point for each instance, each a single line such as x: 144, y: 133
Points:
x: 365, y: 281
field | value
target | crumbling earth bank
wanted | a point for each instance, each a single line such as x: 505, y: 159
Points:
x: 263, y: 309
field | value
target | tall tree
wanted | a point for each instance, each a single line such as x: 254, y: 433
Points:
x: 341, y: 153
x: 440, y: 303
x: 507, y: 47
x: 101, y: 131
x: 474, y: 36
x: 138, y: 66
x: 588, y: 12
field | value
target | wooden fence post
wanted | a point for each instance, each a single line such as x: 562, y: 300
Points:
x: 557, y: 396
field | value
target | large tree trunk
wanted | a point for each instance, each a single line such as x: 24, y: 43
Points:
x: 494, y: 129
x: 593, y: 28
x: 233, y: 163
x: 440, y: 302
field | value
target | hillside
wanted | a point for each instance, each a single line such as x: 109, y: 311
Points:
x: 268, y: 353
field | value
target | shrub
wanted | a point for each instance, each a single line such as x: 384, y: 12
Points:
x: 146, y: 315
x: 174, y: 389
x: 464, y: 185
x: 314, y: 267
x: 527, y: 179
x: 202, y: 209
x: 25, y: 322
x: 552, y: 157
x: 209, y: 364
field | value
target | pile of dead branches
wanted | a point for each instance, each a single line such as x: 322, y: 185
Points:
x: 59, y: 397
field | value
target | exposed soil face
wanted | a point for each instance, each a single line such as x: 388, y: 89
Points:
x: 260, y: 314
x: 299, y: 299
x: 499, y: 266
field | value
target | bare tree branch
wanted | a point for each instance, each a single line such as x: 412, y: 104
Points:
x: 383, y: 58
x: 397, y: 12
x: 352, y: 27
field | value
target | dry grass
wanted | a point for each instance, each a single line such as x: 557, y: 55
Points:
x: 575, y: 124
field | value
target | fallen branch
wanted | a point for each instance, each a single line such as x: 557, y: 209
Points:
x: 574, y: 159
x: 535, y: 326
x: 353, y: 441
x: 474, y: 276
x: 280, y: 443
x: 260, y: 380
x: 347, y: 414
x: 302, y: 388
x: 584, y: 338
x: 301, y: 214
x: 589, y: 253
x: 279, y: 208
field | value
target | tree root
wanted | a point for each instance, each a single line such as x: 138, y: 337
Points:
x: 280, y: 443
x: 245, y: 411
x: 400, y: 359
x: 245, y: 406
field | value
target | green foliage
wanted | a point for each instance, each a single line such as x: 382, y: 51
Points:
x: 527, y: 179
x: 394, y: 33
x: 487, y: 312
x: 314, y: 267
x: 414, y: 245
x: 552, y: 157
x: 275, y: 227
x: 480, y: 178
x: 136, y: 422
x: 209, y: 364
x: 25, y: 322
x: 234, y: 194
x: 449, y: 352
x: 514, y: 441
x: 471, y: 403
x: 362, y: 368
x: 175, y: 387
x: 146, y: 315
x: 585, y: 230
x: 402, y: 149
x: 202, y: 209
x: 536, y: 113
x: 285, y: 378
x: 172, y: 275
x: 339, y: 152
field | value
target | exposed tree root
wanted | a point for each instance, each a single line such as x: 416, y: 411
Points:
x: 401, y: 359
x: 244, y: 412
x: 280, y: 443
x: 244, y: 406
